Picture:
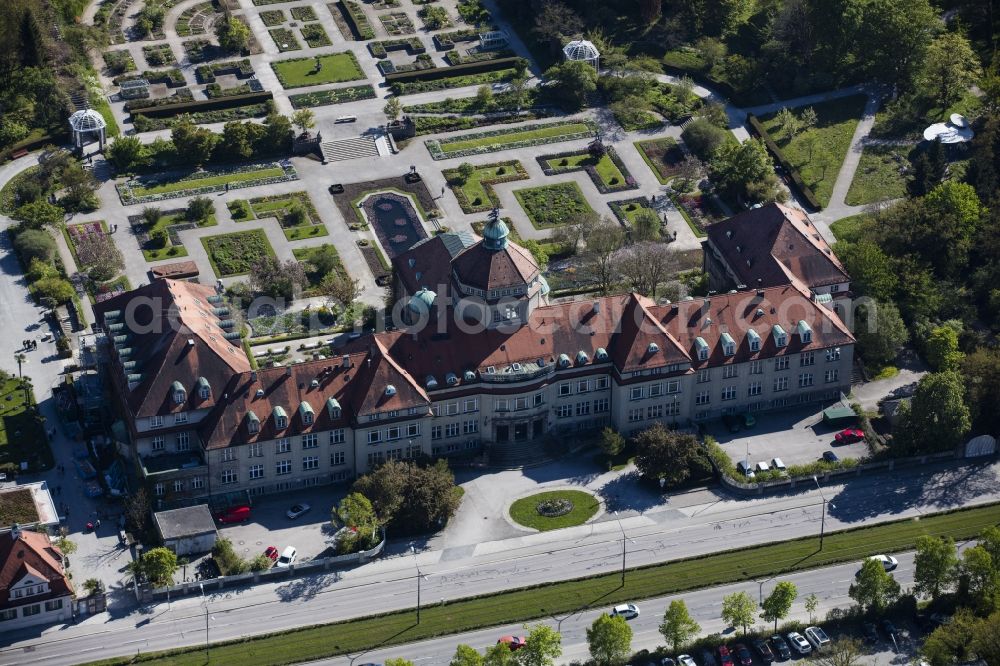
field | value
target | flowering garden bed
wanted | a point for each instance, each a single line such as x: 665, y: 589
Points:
x: 552, y: 205
x: 475, y: 194
x: 234, y: 254
x: 608, y: 172
x: 335, y: 96
x: 171, y: 186
x: 510, y: 137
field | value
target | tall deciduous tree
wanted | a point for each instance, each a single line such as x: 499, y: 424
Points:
x: 542, y: 646
x: 127, y: 153
x: 665, y: 454
x: 936, y: 563
x: 979, y: 572
x: 937, y: 418
x: 738, y: 610
x: 194, y: 143
x: 570, y: 82
x: 645, y: 266
x: 158, y: 565
x: 778, y: 604
x: 950, y: 67
x: 233, y: 34
x: 678, y: 627
x: 269, y: 275
x: 304, y: 119
x: 880, y: 332
x: 875, y: 588
x: 841, y: 652
x: 609, y: 640
x: 603, y: 243
x: 742, y: 168
x: 870, y: 268
x: 466, y: 655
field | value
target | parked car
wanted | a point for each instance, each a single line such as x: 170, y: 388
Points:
x: 686, y: 660
x: 743, y: 654
x: 763, y: 650
x: 271, y: 552
x: 781, y: 649
x: 297, y: 510
x: 830, y: 456
x: 745, y: 470
x: 849, y: 436
x: 287, y: 557
x: 890, y: 628
x: 748, y: 420
x: 725, y: 658
x: 778, y: 464
x: 667, y: 661
x: 512, y: 642
x: 627, y: 611
x: 817, y: 637
x: 707, y: 658
x: 889, y: 562
x: 236, y: 514
x: 732, y: 422
x: 799, y: 643
x: 762, y: 467
x: 871, y: 632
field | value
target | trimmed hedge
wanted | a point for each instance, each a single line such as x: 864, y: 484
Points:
x: 207, y: 73
x: 456, y: 70
x: 446, y: 41
x: 412, y: 45
x: 793, y: 174
x: 204, y: 105
x: 359, y: 23
x: 454, y: 58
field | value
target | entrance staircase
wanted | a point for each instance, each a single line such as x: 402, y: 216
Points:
x: 349, y: 149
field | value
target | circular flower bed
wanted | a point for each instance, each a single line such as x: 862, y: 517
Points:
x: 554, y: 509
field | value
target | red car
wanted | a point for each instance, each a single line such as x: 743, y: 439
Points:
x: 512, y: 642
x: 724, y: 656
x: 271, y: 553
x: 849, y: 436
x: 234, y: 515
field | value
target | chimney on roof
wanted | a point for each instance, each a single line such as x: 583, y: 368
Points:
x: 288, y: 371
x: 345, y: 361
x: 253, y: 376
x: 190, y: 342
x: 597, y: 307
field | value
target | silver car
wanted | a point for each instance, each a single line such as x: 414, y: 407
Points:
x: 817, y: 637
x: 798, y: 643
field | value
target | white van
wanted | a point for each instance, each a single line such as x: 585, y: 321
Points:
x: 287, y: 557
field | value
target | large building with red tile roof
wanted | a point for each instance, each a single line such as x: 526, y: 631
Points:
x: 34, y: 587
x: 483, y: 365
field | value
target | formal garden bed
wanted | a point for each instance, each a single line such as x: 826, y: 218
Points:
x: 319, y: 261
x: 200, y: 50
x: 22, y: 428
x: 273, y: 17
x: 606, y: 170
x: 554, y: 509
x: 158, y: 234
x: 234, y: 254
x: 329, y: 68
x: 348, y: 199
x: 456, y: 81
x: 626, y: 210
x: 294, y: 325
x: 882, y: 174
x: 445, y: 41
x: 314, y: 35
x: 474, y: 190
x: 243, y: 69
x: 334, y: 96
x: 412, y: 45
x: 551, y: 205
x: 197, y: 20
x: 294, y: 211
x: 396, y: 24
x: 358, y: 24
x: 394, y: 218
x: 421, y: 62
x: 818, y: 152
x: 284, y: 39
x: 119, y: 62
x: 434, y: 17
x: 507, y: 138
x: 143, y: 123
x: 663, y: 156
x: 438, y: 124
x: 456, y: 58
x: 159, y: 55
x: 148, y: 189
x: 699, y: 211
x: 304, y: 14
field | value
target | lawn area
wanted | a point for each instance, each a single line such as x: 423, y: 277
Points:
x: 322, y: 261
x: 551, y: 205
x: 610, y: 174
x: 334, y: 68
x: 233, y: 254
x: 817, y: 153
x: 283, y: 208
x: 498, y: 141
x: 848, y: 229
x: 582, y: 506
x: 22, y: 433
x: 545, y: 601
x: 476, y: 193
x: 662, y: 156
x: 192, y: 181
x: 172, y: 251
x: 879, y: 176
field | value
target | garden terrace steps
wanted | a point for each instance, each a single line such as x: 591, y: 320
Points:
x: 513, y: 455
x: 349, y: 149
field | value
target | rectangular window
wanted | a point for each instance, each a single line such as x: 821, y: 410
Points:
x: 702, y: 398
x: 754, y: 388
x: 53, y: 605
x: 376, y: 458
x: 582, y: 408
x: 564, y: 411
x: 501, y: 405
x: 654, y: 412
x: 602, y: 383
x: 451, y: 430
x: 635, y: 415
x: 673, y: 386
x: 228, y: 455
x: 471, y: 405
x: 436, y: 410
x: 159, y: 489
x: 704, y: 376
x: 412, y: 429
x: 338, y: 458
x: 310, y: 463
x: 179, y: 486
x: 831, y: 376
x: 155, y: 421
x: 538, y: 399
x: 655, y: 390
x: 565, y: 389
x: 635, y: 393
x: 394, y: 454
x: 198, y: 482
x: 393, y: 433
x: 337, y: 436
x: 756, y: 367
x: 310, y: 441
x: 157, y: 443
x: 393, y: 413
x: 254, y: 450
x: 451, y: 408
x: 807, y: 358
x: 283, y: 467
x: 583, y: 386
x: 229, y: 476
x: 833, y: 355
x: 374, y: 437
x: 781, y: 383
x: 673, y: 408
x: 781, y: 363
x: 729, y: 393
x: 435, y: 432
x: 180, y: 417
x: 601, y: 405
x: 9, y: 614
x: 282, y: 446
x: 834, y: 288
x: 28, y: 611
x: 256, y: 471
x: 471, y: 426
x: 183, y: 441
x: 413, y: 451
x: 520, y: 403
x: 805, y: 379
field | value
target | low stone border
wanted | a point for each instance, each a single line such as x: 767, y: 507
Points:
x: 628, y: 184
x: 601, y: 507
x: 128, y: 198
x: 434, y: 145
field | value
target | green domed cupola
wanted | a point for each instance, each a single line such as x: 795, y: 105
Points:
x: 495, y: 232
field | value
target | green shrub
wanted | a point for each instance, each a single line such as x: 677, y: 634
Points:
x: 35, y: 244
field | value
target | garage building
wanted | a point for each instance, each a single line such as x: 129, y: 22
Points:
x: 187, y: 530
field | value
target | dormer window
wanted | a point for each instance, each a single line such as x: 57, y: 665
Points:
x: 306, y: 412
x: 180, y: 395
x: 780, y: 337
x: 204, y: 390
x: 333, y: 408
x: 253, y: 423
x: 280, y: 418
x: 728, y: 345
x: 804, y: 331
x: 702, y: 348
x: 754, y: 340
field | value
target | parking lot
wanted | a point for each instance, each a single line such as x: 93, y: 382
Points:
x: 796, y: 436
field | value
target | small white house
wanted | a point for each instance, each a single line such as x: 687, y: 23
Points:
x: 188, y: 530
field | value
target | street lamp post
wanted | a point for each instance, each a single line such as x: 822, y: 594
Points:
x: 623, y: 545
x: 822, y: 520
x: 202, y: 586
x: 417, y: 565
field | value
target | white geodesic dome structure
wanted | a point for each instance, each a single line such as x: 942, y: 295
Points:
x: 582, y: 50
x: 87, y: 121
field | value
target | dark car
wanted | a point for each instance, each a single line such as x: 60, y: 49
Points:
x: 732, y: 422
x: 889, y: 628
x: 763, y: 650
x: 667, y: 661
x: 781, y: 649
x: 830, y: 456
x: 708, y: 659
x: 743, y: 654
x: 871, y: 632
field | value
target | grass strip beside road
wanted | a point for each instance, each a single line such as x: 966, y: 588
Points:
x: 552, y: 599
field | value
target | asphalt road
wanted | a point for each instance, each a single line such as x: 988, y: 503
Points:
x: 658, y: 534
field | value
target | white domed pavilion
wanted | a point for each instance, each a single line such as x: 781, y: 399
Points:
x: 582, y: 50
x: 87, y: 121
